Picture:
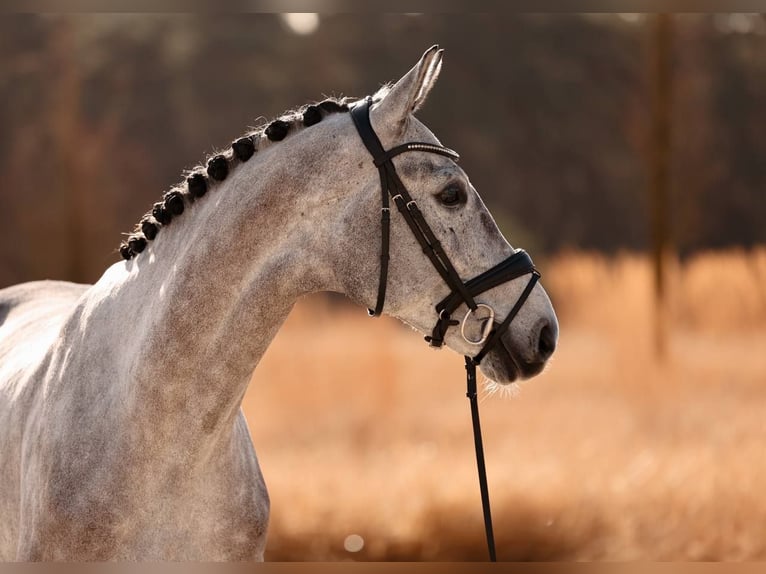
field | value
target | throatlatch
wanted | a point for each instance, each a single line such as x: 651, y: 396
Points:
x: 515, y: 266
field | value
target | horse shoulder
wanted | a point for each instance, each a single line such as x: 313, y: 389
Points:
x: 31, y: 315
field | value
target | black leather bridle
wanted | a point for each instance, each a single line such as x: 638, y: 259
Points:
x: 515, y: 266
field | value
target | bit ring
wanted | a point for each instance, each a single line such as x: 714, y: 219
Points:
x: 487, y: 327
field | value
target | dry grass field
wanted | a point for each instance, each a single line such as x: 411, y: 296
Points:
x: 361, y: 429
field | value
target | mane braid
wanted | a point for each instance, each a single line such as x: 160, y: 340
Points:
x: 217, y: 169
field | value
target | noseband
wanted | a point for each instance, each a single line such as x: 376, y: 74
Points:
x: 515, y: 266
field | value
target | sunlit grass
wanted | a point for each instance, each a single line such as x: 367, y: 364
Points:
x: 363, y: 430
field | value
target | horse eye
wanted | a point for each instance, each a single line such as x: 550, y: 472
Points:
x: 451, y: 195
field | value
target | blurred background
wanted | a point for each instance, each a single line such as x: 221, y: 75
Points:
x: 626, y: 152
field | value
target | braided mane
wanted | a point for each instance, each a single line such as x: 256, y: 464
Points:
x: 217, y: 168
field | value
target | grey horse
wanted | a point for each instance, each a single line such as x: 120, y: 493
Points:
x: 121, y: 430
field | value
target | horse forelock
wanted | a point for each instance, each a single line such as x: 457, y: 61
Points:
x: 200, y: 179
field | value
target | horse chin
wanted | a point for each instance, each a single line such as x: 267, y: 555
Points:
x: 499, y: 365
x: 504, y: 366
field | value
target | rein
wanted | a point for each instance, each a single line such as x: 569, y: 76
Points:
x: 515, y: 266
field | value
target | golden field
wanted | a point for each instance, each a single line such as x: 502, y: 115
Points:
x: 611, y: 454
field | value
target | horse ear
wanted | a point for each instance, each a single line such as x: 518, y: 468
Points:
x: 409, y: 93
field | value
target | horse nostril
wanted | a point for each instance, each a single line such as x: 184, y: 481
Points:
x: 547, y: 342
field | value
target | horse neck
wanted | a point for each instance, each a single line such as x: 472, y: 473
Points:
x: 207, y: 297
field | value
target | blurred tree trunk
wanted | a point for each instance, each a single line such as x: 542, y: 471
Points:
x: 660, y: 62
x: 65, y: 108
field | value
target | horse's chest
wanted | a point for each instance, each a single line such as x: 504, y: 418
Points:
x: 145, y: 511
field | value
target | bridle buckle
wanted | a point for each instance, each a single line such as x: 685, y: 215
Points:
x: 486, y: 330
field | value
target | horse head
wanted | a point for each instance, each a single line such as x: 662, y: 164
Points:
x: 501, y: 317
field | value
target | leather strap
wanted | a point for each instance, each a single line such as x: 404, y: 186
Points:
x: 391, y: 185
x: 471, y: 393
x: 373, y: 145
